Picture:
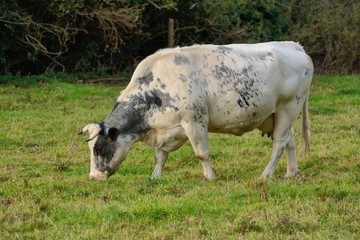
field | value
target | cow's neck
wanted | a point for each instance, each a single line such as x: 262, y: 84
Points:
x: 128, y: 117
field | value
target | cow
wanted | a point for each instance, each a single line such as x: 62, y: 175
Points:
x: 183, y: 93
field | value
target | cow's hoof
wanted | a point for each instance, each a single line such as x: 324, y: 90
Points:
x: 155, y: 175
x: 291, y: 174
x: 209, y: 177
x: 264, y: 177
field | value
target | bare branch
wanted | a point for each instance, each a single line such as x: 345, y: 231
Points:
x: 115, y: 23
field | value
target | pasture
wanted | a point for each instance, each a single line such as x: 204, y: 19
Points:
x: 45, y: 192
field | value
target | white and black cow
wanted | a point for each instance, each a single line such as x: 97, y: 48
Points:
x: 181, y: 94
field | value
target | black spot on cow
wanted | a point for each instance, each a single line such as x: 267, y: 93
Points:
x: 270, y: 55
x: 146, y: 79
x: 245, y: 72
x: 162, y: 85
x: 244, y: 99
x: 224, y: 50
x: 223, y: 72
x: 242, y: 103
x: 183, y: 78
x: 158, y: 101
x: 181, y: 60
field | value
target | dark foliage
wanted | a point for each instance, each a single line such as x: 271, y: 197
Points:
x: 110, y: 36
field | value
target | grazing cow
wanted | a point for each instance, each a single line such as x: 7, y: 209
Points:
x: 181, y: 94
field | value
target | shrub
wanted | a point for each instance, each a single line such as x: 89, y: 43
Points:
x: 330, y: 31
x: 109, y: 36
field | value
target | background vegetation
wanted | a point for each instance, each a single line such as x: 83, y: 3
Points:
x: 45, y: 192
x: 112, y: 36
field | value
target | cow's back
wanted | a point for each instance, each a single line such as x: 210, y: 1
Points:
x: 235, y: 86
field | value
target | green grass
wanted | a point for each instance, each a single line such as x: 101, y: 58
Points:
x: 45, y: 192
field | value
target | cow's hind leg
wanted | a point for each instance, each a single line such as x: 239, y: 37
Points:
x: 292, y: 167
x: 161, y: 157
x: 198, y: 137
x: 282, y: 139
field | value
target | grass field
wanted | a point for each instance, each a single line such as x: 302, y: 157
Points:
x: 45, y: 192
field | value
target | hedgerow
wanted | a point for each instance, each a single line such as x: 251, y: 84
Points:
x: 109, y: 36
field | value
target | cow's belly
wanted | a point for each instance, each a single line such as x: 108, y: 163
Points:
x: 233, y: 119
x: 239, y: 127
x: 167, y: 138
x: 265, y: 125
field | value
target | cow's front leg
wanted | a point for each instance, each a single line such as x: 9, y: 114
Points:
x: 198, y: 137
x: 207, y: 169
x: 161, y: 157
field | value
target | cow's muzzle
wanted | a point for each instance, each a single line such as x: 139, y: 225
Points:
x: 99, y: 176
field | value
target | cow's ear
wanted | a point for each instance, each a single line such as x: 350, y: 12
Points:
x: 113, y: 133
x: 93, y: 128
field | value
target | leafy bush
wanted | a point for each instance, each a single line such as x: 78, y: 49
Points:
x: 330, y: 31
x: 64, y: 35
x: 108, y: 36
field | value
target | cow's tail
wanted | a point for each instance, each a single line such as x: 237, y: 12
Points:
x: 306, y: 127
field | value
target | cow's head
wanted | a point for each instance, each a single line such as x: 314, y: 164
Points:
x: 108, y: 149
